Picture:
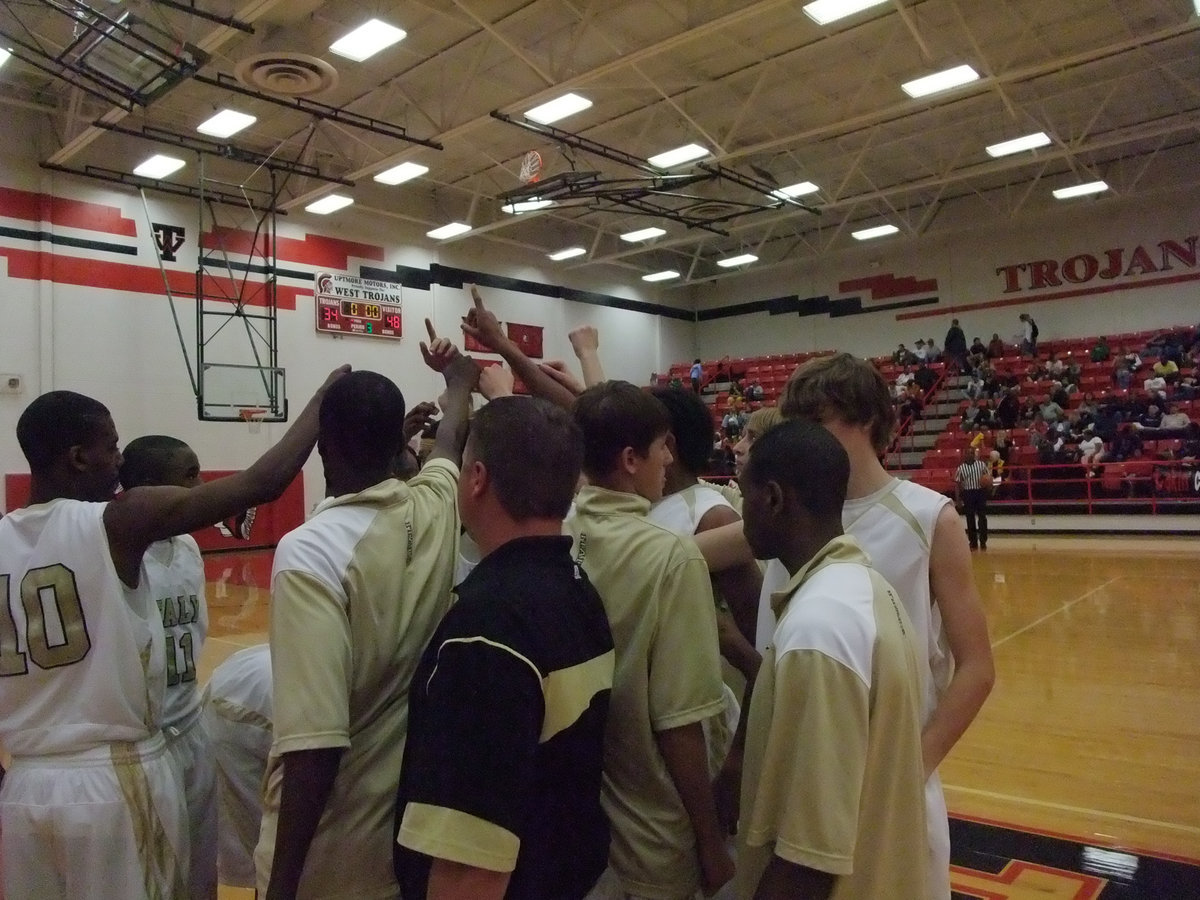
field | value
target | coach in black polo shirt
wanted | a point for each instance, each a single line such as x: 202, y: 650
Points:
x: 500, y: 787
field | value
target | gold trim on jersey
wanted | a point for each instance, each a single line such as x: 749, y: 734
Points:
x: 155, y: 853
x: 459, y: 837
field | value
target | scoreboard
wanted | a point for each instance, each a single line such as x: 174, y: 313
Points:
x: 346, y: 304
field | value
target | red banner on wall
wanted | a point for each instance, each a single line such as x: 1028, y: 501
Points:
x: 527, y: 337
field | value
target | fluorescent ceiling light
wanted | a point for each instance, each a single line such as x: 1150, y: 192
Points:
x: 4, y: 54
x: 661, y: 276
x: 328, y: 204
x: 448, y: 231
x: 367, y: 39
x: 825, y: 11
x: 524, y: 206
x: 1019, y: 145
x: 940, y: 81
x: 569, y: 253
x: 559, y: 108
x: 401, y: 173
x: 678, y: 156
x: 159, y: 166
x: 799, y: 189
x: 1080, y: 190
x: 643, y: 234
x: 878, y: 231
x: 225, y: 123
x: 732, y: 261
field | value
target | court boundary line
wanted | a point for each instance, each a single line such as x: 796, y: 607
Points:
x: 1055, y: 612
x: 1110, y: 840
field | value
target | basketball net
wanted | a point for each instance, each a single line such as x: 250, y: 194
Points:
x: 531, y: 167
x: 253, y: 417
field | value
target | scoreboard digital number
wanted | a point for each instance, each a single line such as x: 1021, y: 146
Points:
x: 347, y: 304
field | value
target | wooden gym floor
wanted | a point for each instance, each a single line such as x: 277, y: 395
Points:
x: 1081, y: 777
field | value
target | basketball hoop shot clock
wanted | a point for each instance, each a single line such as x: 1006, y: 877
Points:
x: 347, y: 304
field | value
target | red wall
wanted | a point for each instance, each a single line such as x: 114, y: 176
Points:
x: 272, y: 521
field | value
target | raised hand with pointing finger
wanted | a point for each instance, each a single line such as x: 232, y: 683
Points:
x: 482, y: 324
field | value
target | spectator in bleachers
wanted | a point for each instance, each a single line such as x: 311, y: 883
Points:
x: 920, y: 352
x: 1050, y: 411
x: 1008, y: 410
x: 1122, y: 376
x: 1126, y: 445
x: 991, y: 381
x: 1054, y: 366
x: 973, y: 389
x: 1151, y: 418
x: 755, y: 392
x: 902, y: 356
x: 1101, y: 352
x: 955, y: 345
x: 1155, y: 386
x: 977, y: 354
x: 1087, y: 409
x: 995, y: 347
x: 1059, y: 394
x: 911, y: 405
x: 932, y: 353
x: 1130, y: 357
x: 732, y: 423
x: 1188, y: 388
x: 1090, y: 449
x: 697, y: 374
x: 1167, y: 369
x: 902, y: 382
x: 1029, y: 335
x: 925, y: 378
x: 1071, y: 376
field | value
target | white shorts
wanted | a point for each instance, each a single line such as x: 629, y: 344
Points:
x: 192, y: 754
x: 104, y: 823
x: 937, y: 823
x: 241, y: 741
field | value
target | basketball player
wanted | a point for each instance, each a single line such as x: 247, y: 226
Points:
x: 356, y: 593
x: 916, y: 541
x: 173, y: 581
x: 500, y: 788
x: 238, y: 717
x: 833, y: 797
x: 91, y: 807
x: 666, y: 842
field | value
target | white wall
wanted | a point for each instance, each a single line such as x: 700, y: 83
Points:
x: 964, y: 258
x: 121, y: 346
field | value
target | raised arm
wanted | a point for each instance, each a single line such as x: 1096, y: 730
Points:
x: 483, y: 325
x: 137, y: 518
x: 585, y: 341
x: 954, y: 591
x: 461, y: 376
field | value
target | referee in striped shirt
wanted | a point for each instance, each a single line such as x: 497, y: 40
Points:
x: 972, y: 481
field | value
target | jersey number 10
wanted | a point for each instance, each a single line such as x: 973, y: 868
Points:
x: 55, y: 632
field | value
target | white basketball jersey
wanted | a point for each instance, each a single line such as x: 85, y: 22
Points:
x: 82, y: 656
x: 172, y: 580
x: 895, y: 527
x: 682, y: 511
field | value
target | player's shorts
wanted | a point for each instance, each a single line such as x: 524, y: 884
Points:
x: 937, y: 822
x: 103, y: 823
x: 241, y: 741
x: 191, y: 751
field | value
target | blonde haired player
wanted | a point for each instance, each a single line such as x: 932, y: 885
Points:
x: 91, y: 806
x: 173, y: 580
x: 915, y: 540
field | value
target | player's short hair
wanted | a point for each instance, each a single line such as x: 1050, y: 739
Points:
x: 533, y: 452
x: 362, y: 416
x: 692, y: 425
x: 54, y: 423
x: 803, y: 457
x: 614, y: 415
x: 846, y: 387
x: 146, y: 459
